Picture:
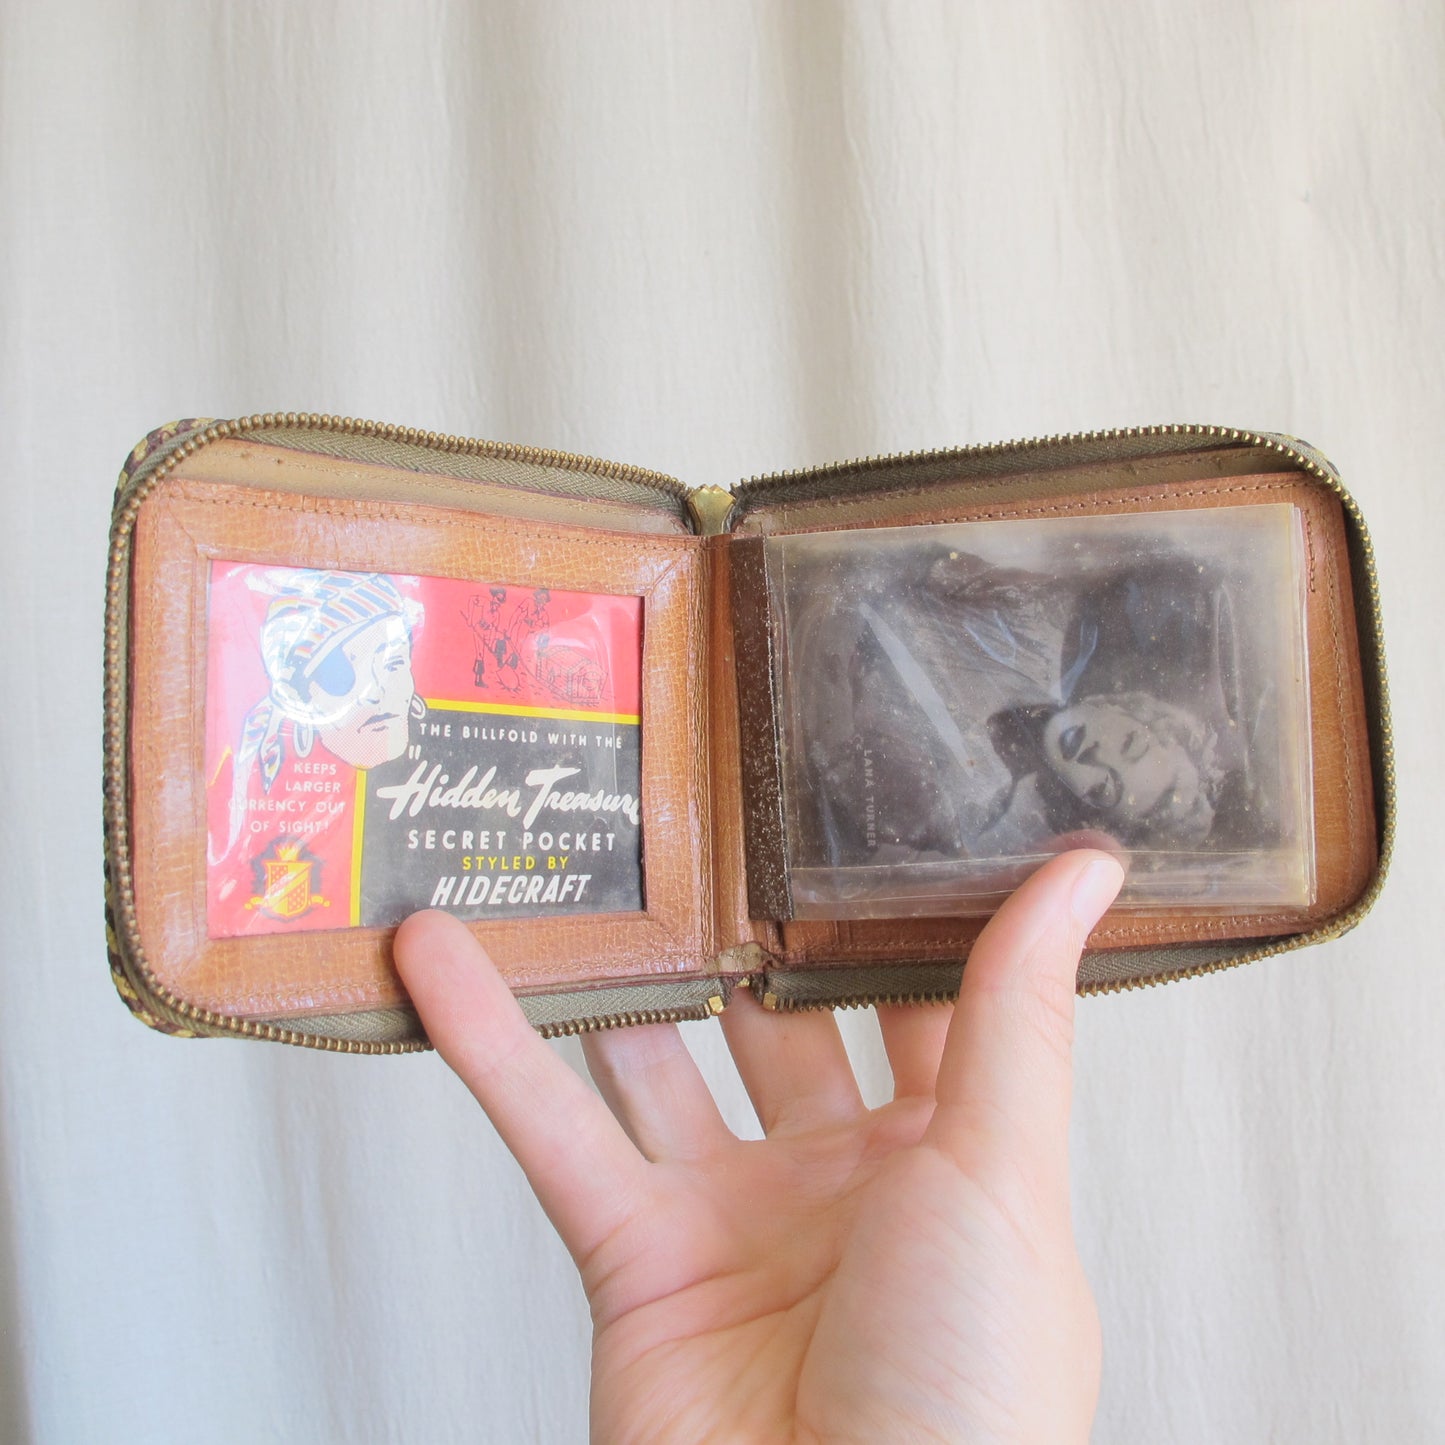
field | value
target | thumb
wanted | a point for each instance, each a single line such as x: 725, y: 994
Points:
x: 1005, y: 1081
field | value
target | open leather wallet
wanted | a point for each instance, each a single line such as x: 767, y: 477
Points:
x: 652, y: 744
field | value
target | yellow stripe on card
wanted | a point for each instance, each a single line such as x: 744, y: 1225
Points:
x: 358, y: 829
x: 502, y: 709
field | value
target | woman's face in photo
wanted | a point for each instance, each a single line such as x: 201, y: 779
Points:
x: 362, y: 693
x: 1128, y: 768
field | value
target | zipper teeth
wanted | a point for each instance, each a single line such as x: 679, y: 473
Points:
x: 597, y: 1022
x: 132, y: 958
x: 781, y: 1003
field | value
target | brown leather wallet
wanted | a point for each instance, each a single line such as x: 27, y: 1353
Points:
x: 356, y: 669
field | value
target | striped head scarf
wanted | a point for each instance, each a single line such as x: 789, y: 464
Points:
x: 311, y: 616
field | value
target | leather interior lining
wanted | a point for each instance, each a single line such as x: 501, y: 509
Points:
x: 184, y: 525
x: 1345, y: 831
x: 716, y: 897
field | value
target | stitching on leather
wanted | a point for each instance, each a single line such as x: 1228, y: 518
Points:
x: 1197, y: 929
x: 964, y: 513
x: 461, y: 486
x: 368, y: 990
x: 308, y: 462
x: 382, y: 512
x: 365, y: 988
x: 918, y: 489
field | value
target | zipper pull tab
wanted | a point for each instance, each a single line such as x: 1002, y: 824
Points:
x: 710, y: 507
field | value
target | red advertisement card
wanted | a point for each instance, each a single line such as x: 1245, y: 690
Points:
x: 378, y: 743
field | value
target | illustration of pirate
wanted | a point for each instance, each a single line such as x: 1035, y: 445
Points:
x: 489, y: 637
x: 337, y: 649
x: 531, y: 616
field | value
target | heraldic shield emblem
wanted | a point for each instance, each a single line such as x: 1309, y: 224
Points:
x: 284, y: 874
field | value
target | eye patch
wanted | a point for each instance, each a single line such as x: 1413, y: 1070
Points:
x: 334, y: 674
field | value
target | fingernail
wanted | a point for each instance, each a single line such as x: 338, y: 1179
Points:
x: 1094, y: 890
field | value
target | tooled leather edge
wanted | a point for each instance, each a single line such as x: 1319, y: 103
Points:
x: 769, y: 895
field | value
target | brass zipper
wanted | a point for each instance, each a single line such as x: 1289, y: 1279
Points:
x: 138, y: 986
x: 710, y: 1008
x: 775, y: 1002
x: 763, y: 483
x: 1302, y: 458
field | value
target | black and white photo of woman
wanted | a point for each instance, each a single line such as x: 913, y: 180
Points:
x: 949, y: 705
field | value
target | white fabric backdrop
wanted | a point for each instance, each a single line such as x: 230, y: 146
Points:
x: 715, y: 240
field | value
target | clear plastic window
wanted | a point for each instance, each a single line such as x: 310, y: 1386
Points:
x: 379, y: 743
x: 958, y: 702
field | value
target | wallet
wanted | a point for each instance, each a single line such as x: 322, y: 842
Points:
x: 654, y: 744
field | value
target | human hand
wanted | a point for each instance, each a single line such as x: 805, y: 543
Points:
x: 904, y: 1273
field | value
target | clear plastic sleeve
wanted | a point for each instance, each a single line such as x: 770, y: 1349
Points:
x: 957, y: 702
x: 378, y: 743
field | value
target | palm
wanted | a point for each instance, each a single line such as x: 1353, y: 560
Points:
x: 901, y: 1273
x: 714, y: 1322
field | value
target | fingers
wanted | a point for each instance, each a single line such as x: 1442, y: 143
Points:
x: 584, y: 1169
x: 1005, y: 1080
x: 913, y: 1037
x: 793, y: 1065
x: 654, y: 1088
